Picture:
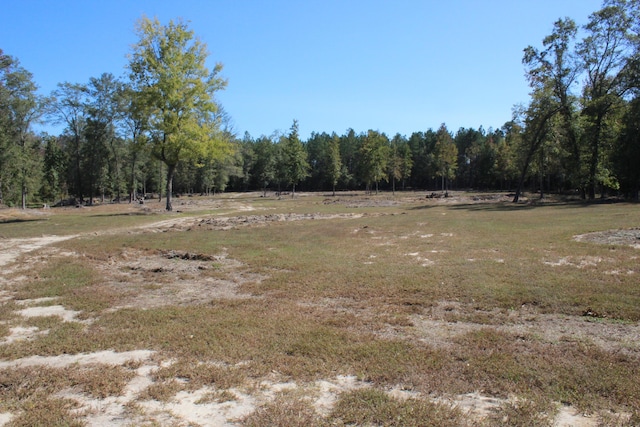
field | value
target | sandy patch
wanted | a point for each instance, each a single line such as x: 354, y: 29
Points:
x: 19, y: 333
x: 13, y: 248
x: 185, y: 408
x: 568, y: 417
x: 328, y: 391
x: 578, y: 262
x: 5, y: 417
x: 443, y: 322
x: 157, y: 279
x: 51, y: 310
x: 624, y: 237
x: 107, y: 357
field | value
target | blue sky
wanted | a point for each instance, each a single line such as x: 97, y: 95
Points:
x: 397, y: 66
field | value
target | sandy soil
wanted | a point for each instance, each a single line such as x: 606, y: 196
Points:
x: 187, y: 285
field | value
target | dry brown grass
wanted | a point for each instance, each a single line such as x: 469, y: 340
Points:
x: 437, y: 299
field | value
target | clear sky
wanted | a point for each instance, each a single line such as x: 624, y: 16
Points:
x: 397, y: 66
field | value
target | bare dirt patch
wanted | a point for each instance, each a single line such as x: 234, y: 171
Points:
x: 177, y: 278
x: 231, y: 222
x: 13, y: 248
x: 628, y: 237
x: 449, y: 319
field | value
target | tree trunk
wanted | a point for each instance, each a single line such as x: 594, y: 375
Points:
x: 91, y: 193
x: 170, y: 171
x: 132, y: 181
x: 542, y: 172
x: 24, y: 194
x: 535, y: 144
x: 116, y: 161
x: 78, y: 171
x: 593, y: 161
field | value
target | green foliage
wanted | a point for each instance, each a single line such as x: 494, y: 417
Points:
x: 324, y: 160
x: 294, y: 164
x: 574, y: 135
x: 20, y: 107
x: 170, y: 77
x: 374, y: 158
x: 374, y: 407
x: 263, y: 172
x: 626, y: 153
x: 400, y: 161
x: 54, y: 162
x: 445, y: 156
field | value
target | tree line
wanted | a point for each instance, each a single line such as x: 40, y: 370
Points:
x: 160, y: 129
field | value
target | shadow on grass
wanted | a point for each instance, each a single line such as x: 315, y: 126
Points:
x: 107, y: 215
x: 18, y: 220
x: 502, y: 207
x: 535, y: 204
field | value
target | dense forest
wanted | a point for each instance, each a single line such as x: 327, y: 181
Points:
x: 161, y: 131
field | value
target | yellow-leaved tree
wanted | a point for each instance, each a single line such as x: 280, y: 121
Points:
x: 171, y: 80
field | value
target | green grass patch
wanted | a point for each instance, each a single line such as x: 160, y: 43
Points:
x: 371, y: 406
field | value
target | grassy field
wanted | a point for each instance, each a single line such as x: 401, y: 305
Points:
x: 367, y: 310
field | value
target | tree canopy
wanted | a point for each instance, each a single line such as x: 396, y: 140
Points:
x: 161, y: 131
x: 171, y: 79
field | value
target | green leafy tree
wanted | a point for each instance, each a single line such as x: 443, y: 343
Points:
x: 350, y: 155
x: 94, y: 153
x: 406, y: 162
x: 535, y: 123
x: 317, y: 150
x: 133, y: 125
x: 627, y: 152
x: 334, y: 162
x: 505, y: 169
x: 445, y: 156
x: 421, y: 145
x: 103, y: 150
x: 21, y: 106
x: 248, y: 156
x: 295, y: 166
x: 324, y: 160
x: 263, y: 172
x: 604, y: 52
x: 68, y: 107
x: 5, y: 139
x: 556, y: 69
x: 169, y: 73
x: 374, y: 153
x: 106, y: 105
x: 399, y: 166
x: 54, y: 164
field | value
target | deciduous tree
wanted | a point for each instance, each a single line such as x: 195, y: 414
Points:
x: 169, y: 73
x: 603, y: 52
x: 374, y: 153
x: 20, y: 107
x: 445, y: 156
x: 68, y: 107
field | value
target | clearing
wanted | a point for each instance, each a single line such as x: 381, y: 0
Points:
x: 242, y: 310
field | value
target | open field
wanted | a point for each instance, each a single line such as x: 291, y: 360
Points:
x: 372, y: 310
